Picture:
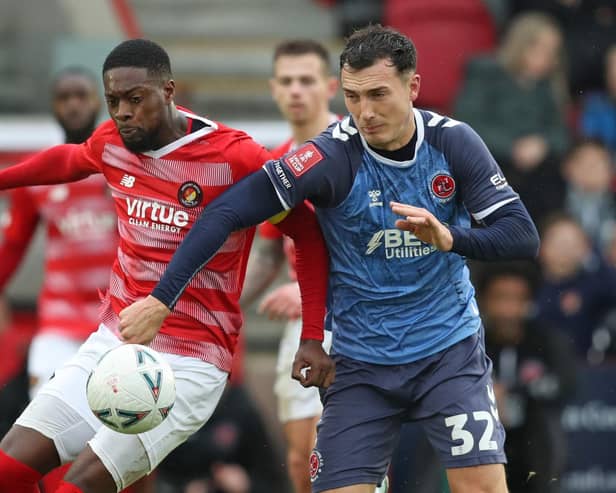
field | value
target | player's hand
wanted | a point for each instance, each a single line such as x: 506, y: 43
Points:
x: 282, y: 303
x: 320, y: 368
x: 423, y: 225
x: 141, y: 321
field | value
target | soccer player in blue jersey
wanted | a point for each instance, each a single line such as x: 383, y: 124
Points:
x: 395, y: 188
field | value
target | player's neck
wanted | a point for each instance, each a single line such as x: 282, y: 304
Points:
x: 309, y: 130
x: 174, y: 129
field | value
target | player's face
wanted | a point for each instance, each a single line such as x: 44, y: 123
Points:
x: 380, y: 101
x: 139, y: 106
x: 301, y: 87
x: 76, y: 104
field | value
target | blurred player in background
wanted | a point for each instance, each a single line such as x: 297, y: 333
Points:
x: 163, y: 164
x: 81, y: 241
x: 302, y: 86
x: 81, y: 238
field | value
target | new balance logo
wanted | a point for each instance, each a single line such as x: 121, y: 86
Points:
x: 127, y: 181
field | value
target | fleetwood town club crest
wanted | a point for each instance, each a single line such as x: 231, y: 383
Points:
x: 443, y: 187
x: 316, y: 464
x: 190, y: 194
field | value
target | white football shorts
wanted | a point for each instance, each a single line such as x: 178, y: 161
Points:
x: 48, y: 351
x: 60, y: 411
x: 294, y: 401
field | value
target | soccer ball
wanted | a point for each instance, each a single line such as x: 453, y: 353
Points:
x: 132, y: 389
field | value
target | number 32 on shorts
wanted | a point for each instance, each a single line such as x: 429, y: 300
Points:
x: 458, y: 421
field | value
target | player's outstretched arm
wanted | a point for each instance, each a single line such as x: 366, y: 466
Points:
x: 60, y: 164
x: 312, y: 265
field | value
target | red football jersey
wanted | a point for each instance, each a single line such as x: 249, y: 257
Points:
x: 158, y: 196
x: 81, y: 244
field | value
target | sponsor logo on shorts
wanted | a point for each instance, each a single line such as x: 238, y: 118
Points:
x: 190, y: 194
x: 316, y: 464
x: 303, y: 159
x: 443, y: 186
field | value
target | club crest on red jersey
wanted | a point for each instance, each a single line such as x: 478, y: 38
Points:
x: 190, y: 194
x: 443, y: 186
x: 316, y: 464
x: 303, y: 159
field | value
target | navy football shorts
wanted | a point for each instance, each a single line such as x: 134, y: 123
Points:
x: 450, y: 394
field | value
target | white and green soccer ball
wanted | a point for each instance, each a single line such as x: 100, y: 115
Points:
x: 132, y: 389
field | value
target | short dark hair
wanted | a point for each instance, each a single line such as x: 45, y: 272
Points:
x: 296, y: 47
x: 141, y: 53
x: 73, y: 70
x: 375, y: 42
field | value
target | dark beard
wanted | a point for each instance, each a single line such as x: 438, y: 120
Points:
x: 79, y: 135
x: 146, y: 143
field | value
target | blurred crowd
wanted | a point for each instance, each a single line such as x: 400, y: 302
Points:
x: 537, y: 80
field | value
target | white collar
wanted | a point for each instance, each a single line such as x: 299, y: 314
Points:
x: 210, y: 126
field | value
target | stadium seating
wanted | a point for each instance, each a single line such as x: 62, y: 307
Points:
x: 446, y: 34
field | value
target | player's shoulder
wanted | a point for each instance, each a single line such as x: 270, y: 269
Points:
x: 442, y: 131
x: 105, y: 134
x: 341, y: 137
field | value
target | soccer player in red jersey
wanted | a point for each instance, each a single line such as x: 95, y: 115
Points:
x: 163, y: 165
x: 302, y: 86
x: 81, y: 237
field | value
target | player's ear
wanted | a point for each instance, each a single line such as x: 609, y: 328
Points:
x: 414, y: 84
x: 332, y: 87
x: 169, y: 90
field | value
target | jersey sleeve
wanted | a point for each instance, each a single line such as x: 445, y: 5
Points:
x: 17, y: 225
x: 319, y: 171
x: 59, y: 164
x: 482, y: 185
x: 247, y: 156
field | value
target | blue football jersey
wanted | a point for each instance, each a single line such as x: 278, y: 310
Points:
x: 392, y: 298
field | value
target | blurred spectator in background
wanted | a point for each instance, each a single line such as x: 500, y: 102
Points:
x: 302, y: 86
x: 516, y: 102
x: 533, y: 376
x: 579, y: 288
x: 598, y: 117
x: 589, y: 28
x: 231, y: 453
x: 588, y: 170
